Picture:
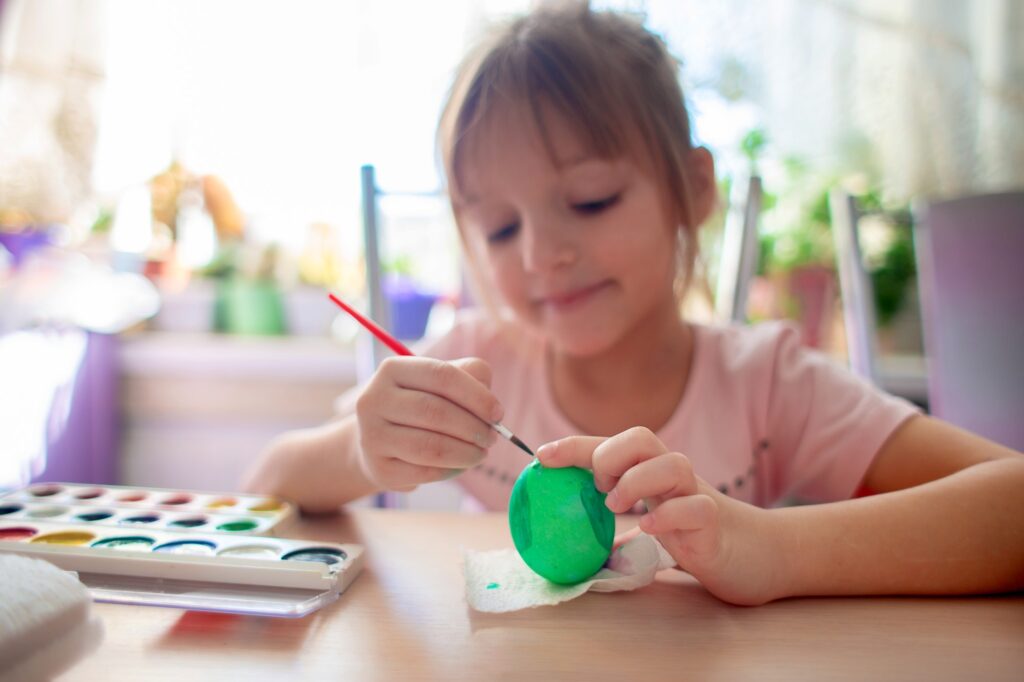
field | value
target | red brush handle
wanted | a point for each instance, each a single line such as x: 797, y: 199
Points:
x: 388, y: 340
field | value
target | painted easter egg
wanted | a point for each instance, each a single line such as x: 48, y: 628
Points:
x: 560, y: 525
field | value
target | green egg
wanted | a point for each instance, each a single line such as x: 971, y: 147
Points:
x: 560, y: 525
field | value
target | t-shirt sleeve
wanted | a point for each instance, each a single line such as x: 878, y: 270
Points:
x: 825, y: 424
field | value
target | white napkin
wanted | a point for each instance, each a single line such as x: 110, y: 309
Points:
x: 46, y: 623
x: 499, y: 581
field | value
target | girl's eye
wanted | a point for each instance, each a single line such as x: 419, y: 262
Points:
x: 504, y: 234
x: 591, y: 207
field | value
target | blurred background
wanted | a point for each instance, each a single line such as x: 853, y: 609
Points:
x: 181, y: 182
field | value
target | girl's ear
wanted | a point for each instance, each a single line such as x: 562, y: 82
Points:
x: 703, y: 188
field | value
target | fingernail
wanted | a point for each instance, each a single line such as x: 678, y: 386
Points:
x: 646, y: 521
x: 546, y: 450
x: 612, y: 500
x: 497, y: 412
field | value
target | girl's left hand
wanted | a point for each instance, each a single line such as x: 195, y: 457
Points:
x: 722, y: 542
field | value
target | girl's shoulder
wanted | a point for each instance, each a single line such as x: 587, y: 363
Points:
x: 762, y: 346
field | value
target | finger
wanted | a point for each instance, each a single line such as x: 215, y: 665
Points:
x: 394, y: 474
x: 609, y: 458
x: 428, y: 448
x: 690, y: 513
x: 664, y: 476
x: 430, y: 412
x: 574, y: 451
x: 616, y: 455
x: 446, y: 380
x: 476, y: 368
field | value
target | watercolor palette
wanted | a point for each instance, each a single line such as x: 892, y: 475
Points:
x: 151, y: 507
x: 186, y: 569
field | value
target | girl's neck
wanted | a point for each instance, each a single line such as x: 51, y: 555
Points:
x: 637, y: 382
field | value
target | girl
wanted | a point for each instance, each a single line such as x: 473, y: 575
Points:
x: 578, y: 194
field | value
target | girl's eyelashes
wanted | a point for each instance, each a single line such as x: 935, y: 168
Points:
x: 503, y: 234
x: 586, y: 208
x: 592, y: 207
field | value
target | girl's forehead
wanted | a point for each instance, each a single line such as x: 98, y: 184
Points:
x: 547, y: 138
x: 545, y: 133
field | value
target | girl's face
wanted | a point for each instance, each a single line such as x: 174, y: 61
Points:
x: 582, y: 249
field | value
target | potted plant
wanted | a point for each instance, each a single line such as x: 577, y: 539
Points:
x: 887, y: 245
x: 796, y: 264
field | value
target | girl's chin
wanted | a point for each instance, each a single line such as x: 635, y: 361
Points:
x: 582, y: 343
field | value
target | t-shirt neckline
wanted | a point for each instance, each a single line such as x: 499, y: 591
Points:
x: 675, y: 421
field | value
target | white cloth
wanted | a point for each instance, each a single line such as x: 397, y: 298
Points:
x: 499, y: 581
x: 46, y: 624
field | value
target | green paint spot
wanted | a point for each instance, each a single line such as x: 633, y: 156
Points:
x: 559, y: 523
x: 493, y: 586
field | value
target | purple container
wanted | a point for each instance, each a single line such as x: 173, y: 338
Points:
x: 409, y: 307
x: 21, y: 244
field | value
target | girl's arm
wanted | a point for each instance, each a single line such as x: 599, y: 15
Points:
x: 317, y: 468
x: 951, y: 521
x: 418, y: 420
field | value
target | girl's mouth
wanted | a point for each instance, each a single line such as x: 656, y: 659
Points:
x: 574, y: 297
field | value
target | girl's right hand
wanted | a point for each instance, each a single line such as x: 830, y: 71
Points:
x: 423, y: 420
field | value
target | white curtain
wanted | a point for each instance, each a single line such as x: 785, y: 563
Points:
x: 936, y: 86
x: 51, y: 73
x: 928, y: 93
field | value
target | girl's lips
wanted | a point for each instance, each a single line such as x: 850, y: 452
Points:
x: 574, y: 297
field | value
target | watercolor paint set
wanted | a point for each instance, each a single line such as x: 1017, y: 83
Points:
x: 197, y: 567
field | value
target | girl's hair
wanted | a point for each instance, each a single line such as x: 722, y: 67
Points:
x: 602, y: 71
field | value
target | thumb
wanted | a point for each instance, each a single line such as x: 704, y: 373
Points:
x: 476, y: 368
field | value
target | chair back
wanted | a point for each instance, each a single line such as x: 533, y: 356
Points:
x: 970, y: 259
x: 855, y: 287
x: 739, y: 251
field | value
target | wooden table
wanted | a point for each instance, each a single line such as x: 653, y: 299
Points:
x: 406, y: 618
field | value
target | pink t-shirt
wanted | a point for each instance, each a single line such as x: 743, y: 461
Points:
x: 762, y: 418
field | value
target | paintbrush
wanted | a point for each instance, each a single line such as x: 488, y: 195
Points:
x: 397, y: 346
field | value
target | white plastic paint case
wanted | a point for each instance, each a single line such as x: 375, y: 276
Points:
x: 217, y: 581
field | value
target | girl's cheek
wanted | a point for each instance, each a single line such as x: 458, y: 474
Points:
x: 508, y: 278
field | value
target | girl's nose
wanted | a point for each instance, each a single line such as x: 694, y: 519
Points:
x: 546, y: 247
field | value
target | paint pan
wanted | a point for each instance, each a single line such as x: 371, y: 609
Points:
x: 234, y: 573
